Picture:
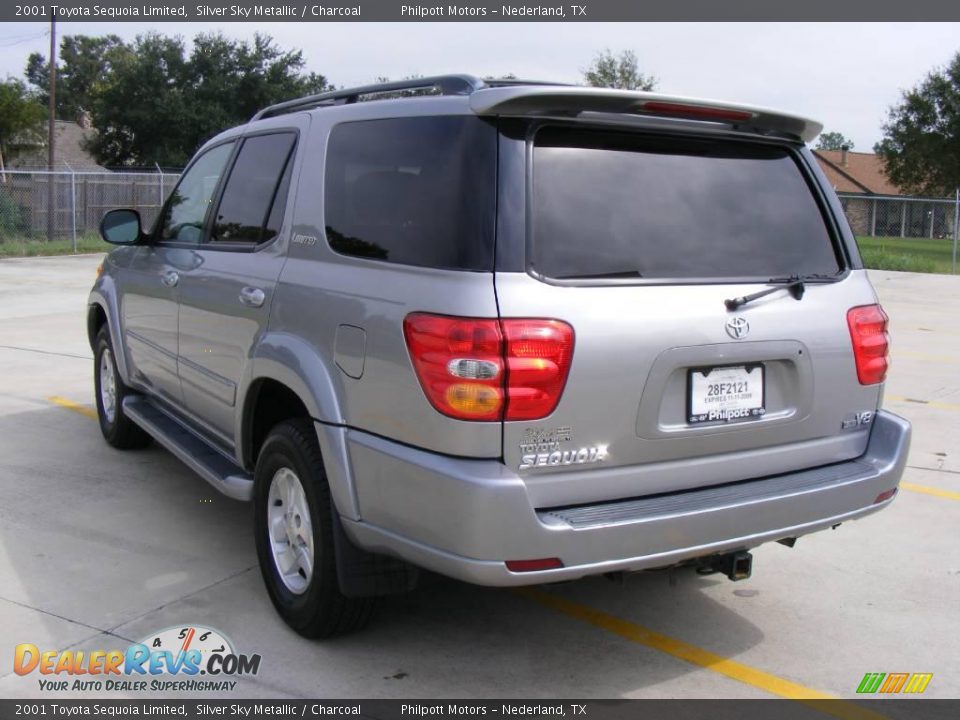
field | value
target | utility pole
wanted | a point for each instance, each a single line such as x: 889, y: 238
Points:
x: 52, y: 127
x: 956, y: 229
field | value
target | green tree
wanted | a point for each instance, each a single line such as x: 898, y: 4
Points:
x: 618, y: 71
x: 237, y: 78
x: 21, y: 116
x: 159, y: 104
x: 83, y: 66
x: 921, y: 143
x: 141, y: 114
x: 833, y: 141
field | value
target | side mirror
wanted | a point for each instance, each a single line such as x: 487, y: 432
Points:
x: 121, y: 227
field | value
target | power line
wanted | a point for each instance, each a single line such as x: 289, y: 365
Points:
x: 20, y: 39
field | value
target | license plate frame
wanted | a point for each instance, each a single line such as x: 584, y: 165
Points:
x: 732, y: 406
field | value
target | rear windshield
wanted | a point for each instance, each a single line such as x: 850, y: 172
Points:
x: 625, y: 205
x: 415, y: 191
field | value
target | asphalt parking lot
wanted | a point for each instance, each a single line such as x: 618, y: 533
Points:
x: 100, y: 548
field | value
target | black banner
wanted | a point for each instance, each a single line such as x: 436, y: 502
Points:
x: 260, y: 11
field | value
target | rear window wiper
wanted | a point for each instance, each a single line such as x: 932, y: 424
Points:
x: 794, y: 284
x: 601, y: 276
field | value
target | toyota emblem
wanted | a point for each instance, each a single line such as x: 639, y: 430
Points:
x: 738, y: 328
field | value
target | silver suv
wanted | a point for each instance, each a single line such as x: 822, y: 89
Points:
x: 509, y: 332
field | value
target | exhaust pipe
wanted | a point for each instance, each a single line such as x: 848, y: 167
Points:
x: 736, y: 566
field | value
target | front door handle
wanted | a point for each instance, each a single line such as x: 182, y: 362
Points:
x: 170, y: 278
x: 252, y: 297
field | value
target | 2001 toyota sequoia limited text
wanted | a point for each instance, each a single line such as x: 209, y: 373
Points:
x: 510, y: 332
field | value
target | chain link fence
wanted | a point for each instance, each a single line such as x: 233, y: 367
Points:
x: 904, y: 217
x: 67, y: 206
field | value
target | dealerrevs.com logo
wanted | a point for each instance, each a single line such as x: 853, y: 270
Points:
x: 168, y: 661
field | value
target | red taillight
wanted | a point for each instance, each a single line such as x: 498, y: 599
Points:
x: 697, y: 112
x: 482, y: 369
x: 459, y: 362
x: 868, y: 333
x: 533, y: 565
x: 538, y: 359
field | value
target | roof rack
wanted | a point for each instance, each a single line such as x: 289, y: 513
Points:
x: 445, y: 84
x: 513, y: 82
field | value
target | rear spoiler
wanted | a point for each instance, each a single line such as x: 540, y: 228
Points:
x: 549, y: 100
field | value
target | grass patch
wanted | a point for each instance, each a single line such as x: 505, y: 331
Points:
x: 907, y: 254
x: 27, y: 247
x: 882, y: 260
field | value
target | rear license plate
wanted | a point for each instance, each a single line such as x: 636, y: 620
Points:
x: 725, y: 394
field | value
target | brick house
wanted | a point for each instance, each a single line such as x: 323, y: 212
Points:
x: 875, y: 206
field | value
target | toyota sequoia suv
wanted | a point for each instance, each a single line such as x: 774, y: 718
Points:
x: 509, y: 332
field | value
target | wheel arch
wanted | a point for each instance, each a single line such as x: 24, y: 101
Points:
x: 96, y: 319
x: 267, y: 403
x: 102, y: 310
x: 289, y: 379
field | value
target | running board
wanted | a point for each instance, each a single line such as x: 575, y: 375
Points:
x: 196, y: 454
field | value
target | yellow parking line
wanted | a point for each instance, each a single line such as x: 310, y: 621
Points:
x: 84, y: 410
x: 927, y: 490
x: 700, y: 657
x: 924, y: 403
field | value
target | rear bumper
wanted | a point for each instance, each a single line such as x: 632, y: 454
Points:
x: 464, y: 518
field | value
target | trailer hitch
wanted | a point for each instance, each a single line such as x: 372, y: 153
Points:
x: 736, y: 566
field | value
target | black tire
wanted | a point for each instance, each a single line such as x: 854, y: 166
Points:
x: 317, y: 608
x: 118, y: 430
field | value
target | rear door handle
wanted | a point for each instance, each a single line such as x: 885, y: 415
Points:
x: 252, y: 297
x: 170, y: 278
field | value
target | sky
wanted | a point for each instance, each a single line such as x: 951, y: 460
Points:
x: 845, y: 75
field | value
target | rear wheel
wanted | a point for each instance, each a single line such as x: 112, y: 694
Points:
x: 118, y: 430
x: 293, y: 523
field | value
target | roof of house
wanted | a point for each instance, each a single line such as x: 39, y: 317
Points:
x: 69, y: 150
x: 862, y: 173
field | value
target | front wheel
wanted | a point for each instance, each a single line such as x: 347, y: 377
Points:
x: 293, y: 525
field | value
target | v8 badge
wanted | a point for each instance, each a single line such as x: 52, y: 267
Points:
x: 856, y: 420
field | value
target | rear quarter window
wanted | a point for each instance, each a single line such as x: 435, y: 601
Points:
x: 611, y: 204
x: 416, y: 191
x: 255, y: 194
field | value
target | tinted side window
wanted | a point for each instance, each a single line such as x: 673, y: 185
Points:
x: 186, y: 210
x: 417, y: 191
x: 275, y: 219
x: 613, y: 204
x: 253, y: 189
